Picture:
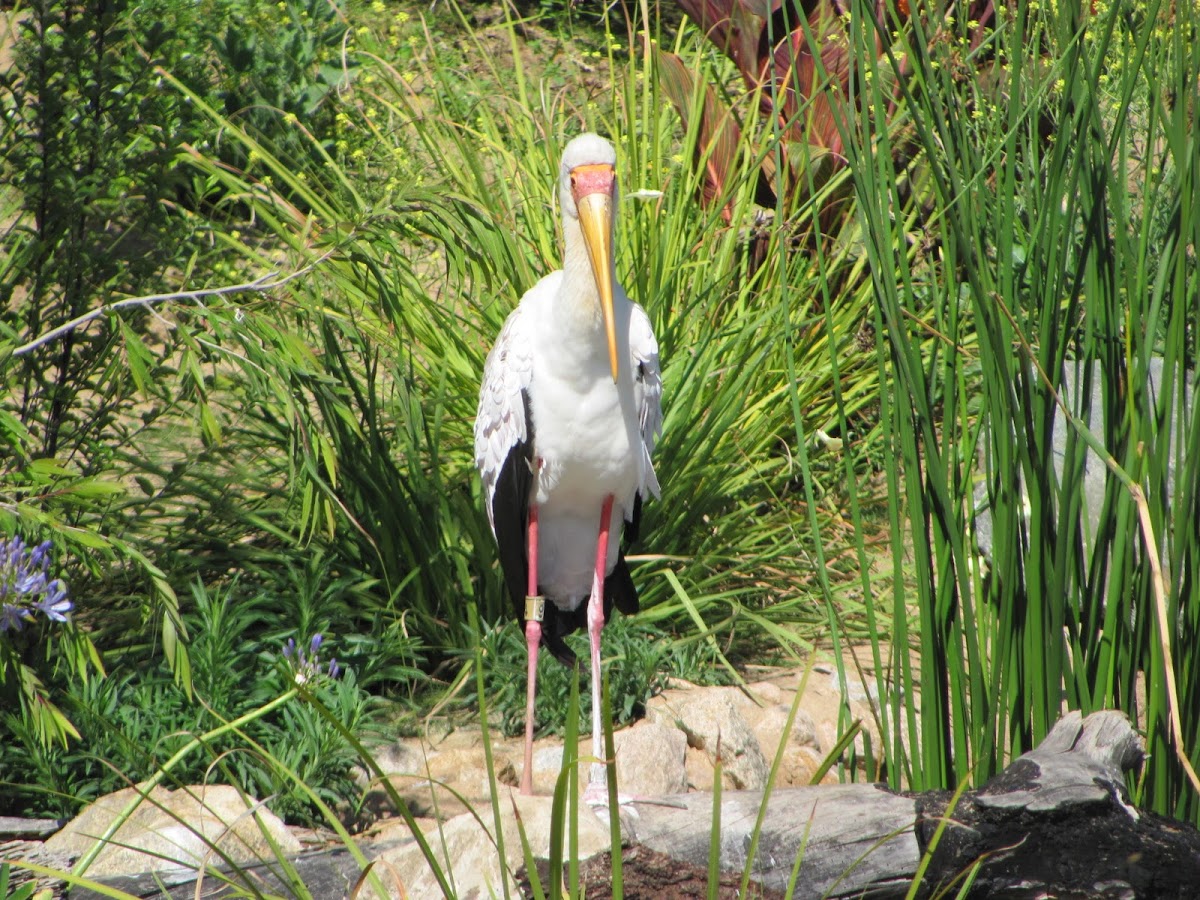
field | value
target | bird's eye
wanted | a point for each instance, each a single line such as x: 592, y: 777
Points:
x: 572, y: 180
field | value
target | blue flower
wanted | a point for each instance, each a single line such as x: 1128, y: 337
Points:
x: 306, y: 665
x: 31, y: 583
x: 12, y: 618
x: 26, y: 586
x: 39, y: 553
x: 55, y: 605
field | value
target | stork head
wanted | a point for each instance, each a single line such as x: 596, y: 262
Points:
x: 588, y: 192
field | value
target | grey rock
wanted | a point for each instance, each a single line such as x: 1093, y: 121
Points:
x: 713, y: 723
x: 465, y: 848
x: 174, y: 831
x: 651, y: 760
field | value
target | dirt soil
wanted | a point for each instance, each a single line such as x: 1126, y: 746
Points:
x: 648, y: 874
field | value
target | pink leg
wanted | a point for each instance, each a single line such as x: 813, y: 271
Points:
x: 595, y: 620
x: 533, y: 638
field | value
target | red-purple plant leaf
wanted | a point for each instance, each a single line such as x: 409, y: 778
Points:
x: 718, y: 132
x: 812, y: 94
x: 735, y: 28
x: 771, y: 42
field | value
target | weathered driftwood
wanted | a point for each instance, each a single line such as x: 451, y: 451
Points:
x: 852, y: 836
x: 28, y: 829
x: 324, y: 874
x: 1057, y: 821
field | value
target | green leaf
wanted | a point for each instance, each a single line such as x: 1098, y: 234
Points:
x: 93, y: 488
x: 137, y: 355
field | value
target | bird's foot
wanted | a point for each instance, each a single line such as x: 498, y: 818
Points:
x: 596, y: 795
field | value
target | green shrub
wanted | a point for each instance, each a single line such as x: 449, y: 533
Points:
x: 138, y: 717
x: 277, y: 63
x: 89, y: 149
x: 639, y: 660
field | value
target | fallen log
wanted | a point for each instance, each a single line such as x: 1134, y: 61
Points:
x: 851, y: 836
x: 1056, y: 822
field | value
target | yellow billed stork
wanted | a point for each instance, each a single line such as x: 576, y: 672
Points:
x: 569, y: 412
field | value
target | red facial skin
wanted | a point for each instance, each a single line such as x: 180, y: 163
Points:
x: 592, y: 179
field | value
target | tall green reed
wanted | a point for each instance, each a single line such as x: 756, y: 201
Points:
x: 1053, y: 191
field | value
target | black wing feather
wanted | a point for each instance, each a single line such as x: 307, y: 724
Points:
x: 619, y: 590
x: 510, y: 513
x: 633, y: 526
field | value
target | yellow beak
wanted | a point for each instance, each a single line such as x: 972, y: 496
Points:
x: 595, y: 218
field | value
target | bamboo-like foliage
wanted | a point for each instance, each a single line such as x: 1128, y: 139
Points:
x: 1036, y: 328
x: 427, y: 241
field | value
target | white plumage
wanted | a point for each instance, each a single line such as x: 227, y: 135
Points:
x: 593, y: 437
x: 569, y: 413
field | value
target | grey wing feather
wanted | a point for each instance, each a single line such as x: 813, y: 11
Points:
x: 644, y: 348
x: 500, y: 420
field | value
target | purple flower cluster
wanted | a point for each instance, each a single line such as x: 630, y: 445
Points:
x: 307, y: 665
x: 26, y: 587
